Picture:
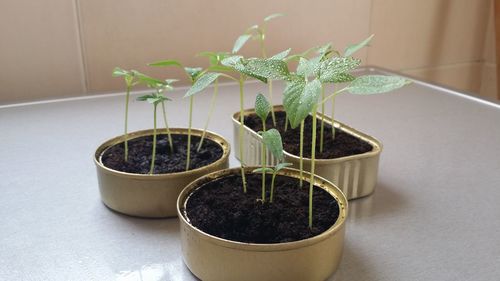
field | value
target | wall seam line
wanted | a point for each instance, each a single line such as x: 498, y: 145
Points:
x: 83, y: 56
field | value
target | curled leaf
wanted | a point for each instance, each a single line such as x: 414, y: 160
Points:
x: 272, y: 140
x: 351, y: 49
x: 202, y: 82
x: 376, y: 84
x: 240, y: 42
x: 262, y: 106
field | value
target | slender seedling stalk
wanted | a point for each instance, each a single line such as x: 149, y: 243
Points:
x: 262, y: 109
x: 188, y: 153
x: 333, y: 120
x: 127, y: 97
x: 322, y: 129
x: 210, y: 112
x: 301, y: 152
x: 286, y: 121
x: 153, y: 156
x: 313, y: 158
x: 242, y: 119
x: 169, y: 135
x: 263, y: 152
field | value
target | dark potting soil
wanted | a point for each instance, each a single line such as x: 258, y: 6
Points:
x: 140, y: 151
x: 220, y: 208
x: 342, y: 145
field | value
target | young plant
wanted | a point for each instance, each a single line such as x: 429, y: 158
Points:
x: 130, y: 81
x: 262, y: 109
x: 258, y: 32
x: 154, y: 99
x: 193, y: 73
x: 272, y: 140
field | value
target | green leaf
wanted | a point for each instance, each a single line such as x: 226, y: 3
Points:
x: 219, y: 68
x: 281, y: 55
x: 166, y: 63
x: 273, y: 16
x: 118, y: 72
x: 145, y: 97
x: 193, y: 72
x: 268, y: 68
x: 299, y: 100
x: 262, y: 106
x: 272, y: 140
x: 232, y: 61
x: 376, y: 84
x: 281, y: 166
x: 307, y: 67
x: 351, y: 49
x: 334, y: 69
x: 202, y: 82
x: 240, y: 42
x: 260, y: 170
x: 150, y: 81
x: 325, y: 49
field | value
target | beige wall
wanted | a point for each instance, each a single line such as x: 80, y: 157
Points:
x: 59, y: 48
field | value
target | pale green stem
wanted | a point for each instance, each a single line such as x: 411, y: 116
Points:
x: 154, y: 141
x: 286, y: 121
x: 263, y: 152
x: 272, y: 187
x: 126, y: 121
x: 211, y: 110
x: 301, y: 151
x: 170, y: 142
x: 273, y: 116
x: 241, y: 136
x: 313, y: 157
x: 188, y: 154
x: 321, y: 133
x: 333, y: 120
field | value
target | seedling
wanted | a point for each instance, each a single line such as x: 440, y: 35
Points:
x: 258, y: 32
x: 272, y: 140
x: 130, y: 81
x: 193, y: 74
x: 154, y: 99
x: 262, y: 109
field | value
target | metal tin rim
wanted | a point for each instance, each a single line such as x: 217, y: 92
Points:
x: 224, y: 144
x: 376, y: 144
x: 255, y: 247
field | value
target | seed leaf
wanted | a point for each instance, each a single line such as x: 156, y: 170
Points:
x: 262, y: 106
x: 166, y: 63
x: 376, y: 84
x: 272, y: 140
x: 334, y: 69
x: 299, y: 100
x: 240, y: 42
x: 260, y: 170
x: 281, y: 55
x: 273, y: 16
x: 118, y: 72
x: 351, y: 49
x: 282, y: 165
x: 202, y: 82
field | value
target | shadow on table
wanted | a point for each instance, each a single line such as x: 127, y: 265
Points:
x: 385, y: 200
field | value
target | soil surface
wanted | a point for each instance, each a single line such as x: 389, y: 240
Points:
x: 342, y: 145
x: 220, y: 208
x: 140, y: 151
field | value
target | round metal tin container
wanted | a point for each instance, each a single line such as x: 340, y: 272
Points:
x: 152, y: 196
x: 355, y: 175
x: 215, y: 259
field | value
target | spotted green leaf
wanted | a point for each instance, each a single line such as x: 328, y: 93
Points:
x: 376, y: 84
x: 202, y: 82
x: 281, y: 55
x: 307, y: 67
x: 268, y: 68
x: 240, y: 42
x: 299, y: 100
x: 351, y: 49
x: 334, y: 69
x: 272, y: 140
x: 262, y: 106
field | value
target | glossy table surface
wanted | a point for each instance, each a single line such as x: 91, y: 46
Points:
x: 435, y: 214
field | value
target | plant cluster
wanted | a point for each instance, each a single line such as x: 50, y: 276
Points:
x: 304, y: 92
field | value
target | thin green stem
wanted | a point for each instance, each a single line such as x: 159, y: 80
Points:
x: 210, y: 112
x: 270, y: 85
x: 240, y: 141
x: 127, y: 97
x: 154, y: 142
x: 333, y: 120
x: 188, y: 149
x: 286, y: 121
x: 264, y: 154
x: 170, y: 142
x: 272, y: 187
x: 322, y: 129
x: 313, y: 158
x: 301, y: 151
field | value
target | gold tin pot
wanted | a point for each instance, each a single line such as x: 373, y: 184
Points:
x: 211, y: 258
x: 152, y: 196
x: 355, y: 175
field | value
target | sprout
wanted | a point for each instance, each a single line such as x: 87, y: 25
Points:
x: 262, y: 108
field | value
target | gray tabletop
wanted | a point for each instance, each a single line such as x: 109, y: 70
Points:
x: 435, y: 214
